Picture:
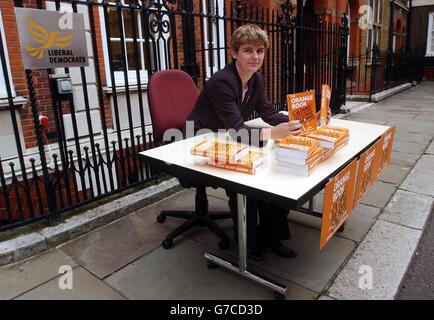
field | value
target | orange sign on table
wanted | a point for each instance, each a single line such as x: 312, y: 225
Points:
x: 338, y: 202
x: 368, y: 169
x: 386, y: 152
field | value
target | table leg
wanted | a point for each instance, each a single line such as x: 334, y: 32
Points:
x: 241, y: 268
x: 242, y: 233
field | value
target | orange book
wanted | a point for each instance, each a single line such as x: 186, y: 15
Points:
x: 328, y: 152
x: 252, y: 159
x: 201, y: 146
x: 221, y: 151
x: 327, y: 138
x: 341, y: 143
x: 325, y: 103
x: 346, y: 131
x: 316, y: 154
x: 299, y: 170
x: 233, y: 167
x: 301, y: 106
x: 296, y: 146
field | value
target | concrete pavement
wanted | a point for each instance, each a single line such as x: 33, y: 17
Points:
x: 124, y: 259
x: 419, y: 282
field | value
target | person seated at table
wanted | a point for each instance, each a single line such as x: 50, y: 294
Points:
x: 229, y: 98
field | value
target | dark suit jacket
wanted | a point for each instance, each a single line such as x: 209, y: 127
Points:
x: 219, y: 105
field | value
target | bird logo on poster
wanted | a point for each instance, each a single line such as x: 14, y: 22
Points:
x: 47, y: 39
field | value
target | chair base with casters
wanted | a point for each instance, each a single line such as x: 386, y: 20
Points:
x: 199, y: 217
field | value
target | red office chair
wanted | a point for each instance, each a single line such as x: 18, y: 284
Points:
x: 172, y: 95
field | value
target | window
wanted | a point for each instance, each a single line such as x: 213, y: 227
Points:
x: 214, y: 39
x: 127, y: 59
x: 374, y: 31
x: 3, y: 92
x: 430, y: 36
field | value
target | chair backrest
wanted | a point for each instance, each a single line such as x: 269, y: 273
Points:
x: 172, y: 95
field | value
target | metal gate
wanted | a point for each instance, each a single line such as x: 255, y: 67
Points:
x: 89, y: 148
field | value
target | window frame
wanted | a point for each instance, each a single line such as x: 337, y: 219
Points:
x: 119, y: 77
x: 211, y: 49
x: 373, y: 33
x: 430, y: 36
x: 3, y: 91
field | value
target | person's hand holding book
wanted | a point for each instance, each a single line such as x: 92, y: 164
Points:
x: 291, y: 128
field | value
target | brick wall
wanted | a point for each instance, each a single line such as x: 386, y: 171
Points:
x: 16, y: 64
x: 40, y: 77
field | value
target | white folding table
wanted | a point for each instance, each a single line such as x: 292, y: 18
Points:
x: 269, y: 185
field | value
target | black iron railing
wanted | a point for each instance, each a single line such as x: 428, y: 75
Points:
x: 373, y: 71
x: 90, y: 150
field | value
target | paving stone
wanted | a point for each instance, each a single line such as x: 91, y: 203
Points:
x: 181, y: 273
x: 378, y: 195
x: 418, y: 283
x: 312, y: 269
x: 394, y: 174
x: 408, y: 209
x: 81, y: 224
x: 387, y: 250
x: 420, y: 179
x: 364, y: 120
x: 218, y: 193
x: 183, y: 201
x: 110, y: 248
x: 430, y: 149
x: 403, y: 159
x: 394, y: 105
x: 114, y: 246
x: 409, y: 147
x: 324, y: 297
x: 85, y: 287
x: 356, y: 226
x: 425, y: 108
x: 428, y: 116
x: 381, y: 115
x: 412, y: 137
x: 23, y: 276
x: 422, y: 126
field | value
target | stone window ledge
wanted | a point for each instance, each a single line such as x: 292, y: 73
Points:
x: 18, y: 103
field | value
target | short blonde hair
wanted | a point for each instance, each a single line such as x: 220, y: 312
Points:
x: 249, y: 33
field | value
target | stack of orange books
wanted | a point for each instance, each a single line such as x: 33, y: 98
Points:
x: 248, y: 164
x: 330, y: 138
x: 298, y: 155
x: 220, y: 151
x: 229, y: 156
x: 346, y: 131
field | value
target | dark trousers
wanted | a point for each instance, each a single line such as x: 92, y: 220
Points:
x: 272, y: 226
